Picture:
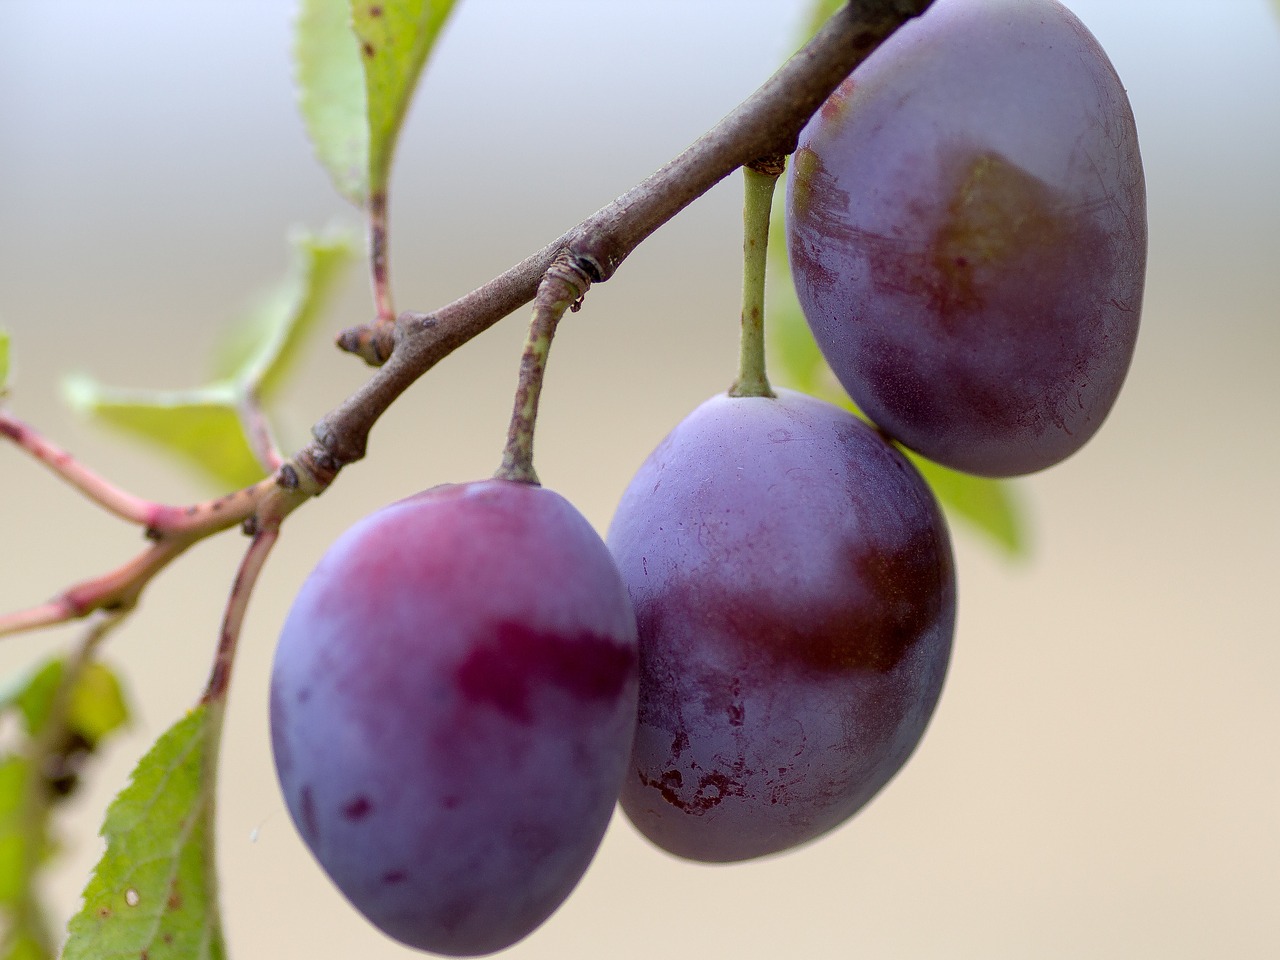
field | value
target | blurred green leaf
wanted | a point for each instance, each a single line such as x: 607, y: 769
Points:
x: 98, y: 707
x: 14, y: 775
x: 24, y: 931
x: 203, y: 426
x: 987, y: 506
x: 25, y: 947
x: 154, y: 892
x: 93, y: 708
x: 34, y: 698
x: 264, y: 347
x: 395, y: 39
x: 331, y: 95
x: 4, y: 360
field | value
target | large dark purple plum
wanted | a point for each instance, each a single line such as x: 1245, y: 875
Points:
x: 453, y: 700
x: 967, y: 229
x: 795, y: 594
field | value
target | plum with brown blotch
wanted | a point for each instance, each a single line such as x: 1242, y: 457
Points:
x: 794, y: 588
x: 453, y: 700
x: 967, y: 228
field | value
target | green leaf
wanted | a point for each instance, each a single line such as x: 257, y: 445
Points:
x: 395, y: 37
x: 987, y: 506
x: 154, y: 892
x: 264, y: 347
x: 331, y: 94
x: 200, y: 426
x: 204, y: 427
x: 4, y: 360
x: 990, y: 507
x: 357, y: 64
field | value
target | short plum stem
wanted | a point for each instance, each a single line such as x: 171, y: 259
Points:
x: 759, y: 180
x: 562, y: 288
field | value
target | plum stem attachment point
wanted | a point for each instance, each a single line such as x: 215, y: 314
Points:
x: 759, y: 180
x: 562, y: 288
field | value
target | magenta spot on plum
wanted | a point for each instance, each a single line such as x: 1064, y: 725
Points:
x: 357, y: 809
x: 504, y: 672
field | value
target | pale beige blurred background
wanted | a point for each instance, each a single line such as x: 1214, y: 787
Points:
x: 1102, y: 778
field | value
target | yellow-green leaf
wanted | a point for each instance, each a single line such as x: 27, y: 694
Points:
x: 357, y: 64
x: 201, y: 426
x: 204, y: 427
x: 154, y: 892
x: 263, y: 348
x: 990, y: 507
x: 394, y: 37
x: 331, y: 94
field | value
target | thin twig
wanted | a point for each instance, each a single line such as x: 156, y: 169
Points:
x: 117, y: 590
x: 96, y: 488
x: 237, y: 606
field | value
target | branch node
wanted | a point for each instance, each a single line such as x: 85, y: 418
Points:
x: 371, y: 342
x: 314, y: 469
